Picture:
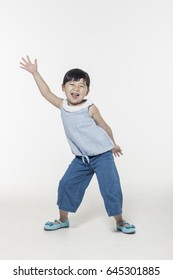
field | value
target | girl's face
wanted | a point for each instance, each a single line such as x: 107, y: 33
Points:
x: 75, y: 91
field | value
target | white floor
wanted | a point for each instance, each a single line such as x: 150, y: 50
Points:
x: 92, y: 234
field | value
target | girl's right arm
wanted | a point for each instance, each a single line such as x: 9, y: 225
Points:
x: 43, y: 87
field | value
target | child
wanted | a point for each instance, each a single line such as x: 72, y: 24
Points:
x: 91, y: 141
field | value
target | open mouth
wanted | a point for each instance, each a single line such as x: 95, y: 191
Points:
x: 75, y: 94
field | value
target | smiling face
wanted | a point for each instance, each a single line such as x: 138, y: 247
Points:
x: 76, y: 85
x: 75, y: 91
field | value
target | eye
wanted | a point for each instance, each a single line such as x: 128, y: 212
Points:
x: 82, y: 86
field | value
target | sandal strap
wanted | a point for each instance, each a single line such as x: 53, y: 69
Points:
x: 125, y: 224
x: 122, y: 223
x: 57, y: 221
x: 52, y: 223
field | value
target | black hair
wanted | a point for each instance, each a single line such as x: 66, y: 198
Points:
x: 75, y: 75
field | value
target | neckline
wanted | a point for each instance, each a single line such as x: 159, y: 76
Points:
x: 69, y: 108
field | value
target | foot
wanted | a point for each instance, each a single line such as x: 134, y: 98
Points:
x: 126, y: 227
x: 49, y: 226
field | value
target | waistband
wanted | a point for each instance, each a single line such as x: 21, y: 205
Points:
x: 86, y: 159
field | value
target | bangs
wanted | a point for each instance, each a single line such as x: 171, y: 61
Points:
x: 75, y: 75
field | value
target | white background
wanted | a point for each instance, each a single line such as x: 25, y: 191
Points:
x: 127, y: 49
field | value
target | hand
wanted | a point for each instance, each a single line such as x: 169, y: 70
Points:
x: 28, y: 65
x: 117, y: 151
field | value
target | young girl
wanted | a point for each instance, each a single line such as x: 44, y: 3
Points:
x: 91, y: 141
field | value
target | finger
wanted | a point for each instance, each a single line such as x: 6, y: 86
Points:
x: 22, y: 64
x: 24, y: 60
x: 114, y: 154
x: 118, y: 154
x: 28, y: 59
x: 23, y: 67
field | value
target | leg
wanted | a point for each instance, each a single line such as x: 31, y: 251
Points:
x: 109, y: 184
x: 72, y: 186
x: 110, y: 188
x: 71, y: 191
x: 118, y: 219
x: 63, y: 215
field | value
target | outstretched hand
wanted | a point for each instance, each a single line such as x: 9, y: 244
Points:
x: 28, y: 65
x: 117, y: 151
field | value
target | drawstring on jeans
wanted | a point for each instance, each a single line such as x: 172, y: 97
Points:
x: 85, y: 159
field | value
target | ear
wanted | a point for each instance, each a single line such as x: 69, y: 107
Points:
x: 87, y: 92
x: 63, y: 88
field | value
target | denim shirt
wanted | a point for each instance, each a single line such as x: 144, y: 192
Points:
x: 84, y: 136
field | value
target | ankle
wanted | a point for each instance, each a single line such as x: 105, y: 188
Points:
x: 63, y: 220
x: 118, y: 219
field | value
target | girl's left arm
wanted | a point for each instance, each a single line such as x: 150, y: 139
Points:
x: 95, y: 114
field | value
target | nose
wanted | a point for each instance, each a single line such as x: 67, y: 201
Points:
x: 76, y: 87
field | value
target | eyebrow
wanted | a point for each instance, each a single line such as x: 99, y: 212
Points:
x: 81, y: 83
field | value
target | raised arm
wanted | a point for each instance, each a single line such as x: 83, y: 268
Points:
x: 32, y: 68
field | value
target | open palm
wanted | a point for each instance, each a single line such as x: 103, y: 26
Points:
x: 27, y: 65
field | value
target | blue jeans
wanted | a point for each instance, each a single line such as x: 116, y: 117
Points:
x: 76, y: 179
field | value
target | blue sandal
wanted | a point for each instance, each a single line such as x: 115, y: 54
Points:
x: 56, y: 225
x: 126, y: 227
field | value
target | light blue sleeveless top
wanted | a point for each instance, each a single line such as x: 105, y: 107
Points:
x: 84, y: 136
